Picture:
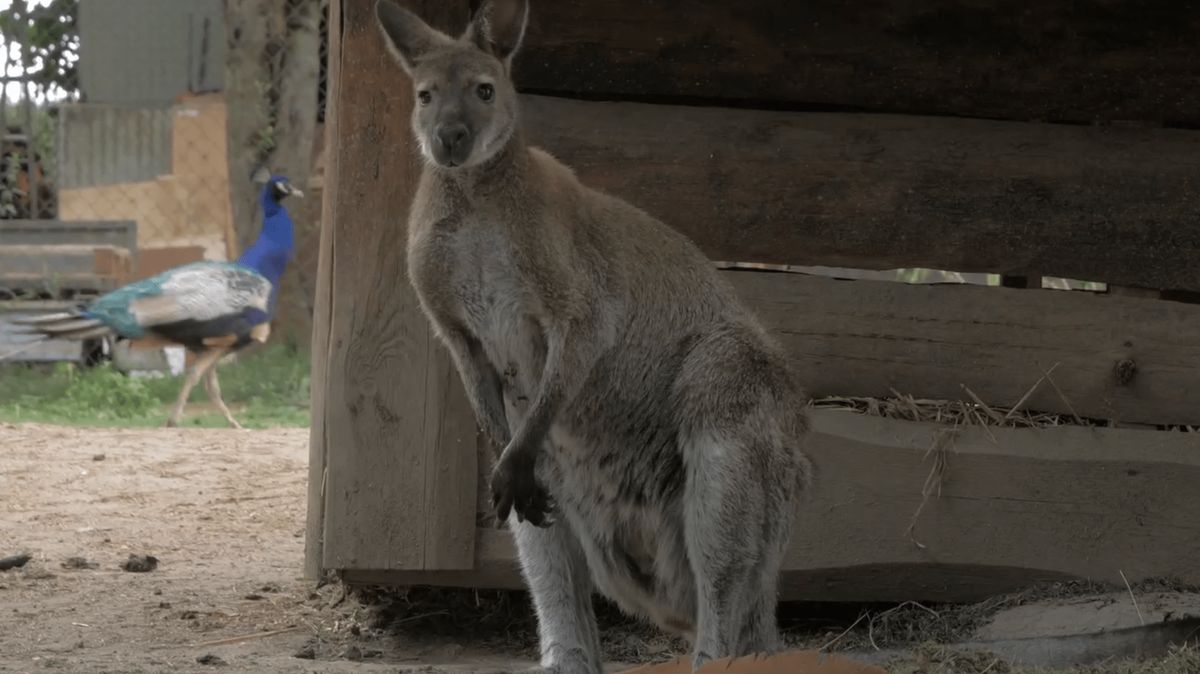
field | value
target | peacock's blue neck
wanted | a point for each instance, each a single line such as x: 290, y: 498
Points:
x: 270, y: 253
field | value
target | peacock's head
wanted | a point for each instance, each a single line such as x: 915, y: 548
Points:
x: 276, y: 188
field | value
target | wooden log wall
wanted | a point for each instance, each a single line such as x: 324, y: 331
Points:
x: 875, y: 135
x: 1017, y: 507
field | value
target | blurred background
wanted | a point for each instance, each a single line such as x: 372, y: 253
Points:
x: 131, y: 130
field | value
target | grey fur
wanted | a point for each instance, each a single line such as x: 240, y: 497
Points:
x: 649, y: 425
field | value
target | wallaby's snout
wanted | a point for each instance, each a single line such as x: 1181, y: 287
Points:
x: 466, y: 105
x: 453, y: 146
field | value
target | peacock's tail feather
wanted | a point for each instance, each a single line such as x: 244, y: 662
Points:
x: 66, y: 325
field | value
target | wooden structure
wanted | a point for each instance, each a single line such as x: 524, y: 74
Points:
x: 1001, y: 137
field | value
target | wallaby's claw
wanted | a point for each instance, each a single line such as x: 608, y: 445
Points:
x: 515, y: 489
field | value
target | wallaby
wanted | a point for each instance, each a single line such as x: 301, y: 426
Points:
x: 650, y: 428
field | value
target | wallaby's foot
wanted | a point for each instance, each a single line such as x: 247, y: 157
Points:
x: 573, y: 662
x: 515, y: 489
x: 563, y: 668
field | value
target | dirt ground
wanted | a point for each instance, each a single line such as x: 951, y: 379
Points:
x: 223, y: 512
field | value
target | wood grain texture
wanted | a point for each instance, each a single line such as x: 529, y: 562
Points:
x: 394, y: 433
x: 866, y: 338
x: 1029, y: 506
x: 323, y: 308
x: 1059, y: 60
x: 889, y: 191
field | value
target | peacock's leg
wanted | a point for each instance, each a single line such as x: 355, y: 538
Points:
x: 214, y: 393
x: 203, y: 363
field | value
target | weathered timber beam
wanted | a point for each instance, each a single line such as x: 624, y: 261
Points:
x: 889, y: 191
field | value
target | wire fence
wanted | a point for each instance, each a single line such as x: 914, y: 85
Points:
x: 119, y: 138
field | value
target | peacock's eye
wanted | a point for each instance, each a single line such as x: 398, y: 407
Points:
x: 485, y: 91
x: 424, y: 97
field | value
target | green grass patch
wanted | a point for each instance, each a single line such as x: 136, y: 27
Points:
x: 265, y: 388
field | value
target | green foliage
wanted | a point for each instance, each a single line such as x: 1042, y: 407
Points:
x: 265, y: 389
x: 47, y: 40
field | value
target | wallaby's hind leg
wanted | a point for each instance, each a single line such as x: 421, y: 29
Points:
x: 738, y: 515
x: 760, y: 633
x: 557, y: 575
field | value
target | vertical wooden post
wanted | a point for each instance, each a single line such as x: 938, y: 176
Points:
x: 394, y: 443
x: 314, y: 538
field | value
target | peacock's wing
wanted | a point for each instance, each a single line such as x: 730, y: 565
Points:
x: 198, y: 294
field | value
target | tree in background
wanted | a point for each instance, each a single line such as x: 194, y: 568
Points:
x: 272, y: 70
x: 40, y: 57
x: 44, y: 42
x: 272, y: 73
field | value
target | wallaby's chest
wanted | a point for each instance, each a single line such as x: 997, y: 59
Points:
x: 478, y: 276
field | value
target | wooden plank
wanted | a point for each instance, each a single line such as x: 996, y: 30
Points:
x: 888, y: 191
x: 392, y: 440
x: 495, y: 566
x: 865, y: 338
x: 119, y: 233
x: 1128, y: 505
x: 323, y: 308
x: 1005, y: 519
x: 450, y: 478
x: 1003, y: 59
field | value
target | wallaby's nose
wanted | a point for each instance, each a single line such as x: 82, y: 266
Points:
x: 451, y: 135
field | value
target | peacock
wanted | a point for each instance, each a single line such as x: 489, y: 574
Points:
x: 210, y: 308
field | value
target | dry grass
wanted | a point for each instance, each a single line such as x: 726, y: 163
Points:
x: 910, y: 624
x: 969, y: 412
x: 953, y: 413
x: 497, y: 620
x: 504, y: 622
x: 936, y: 659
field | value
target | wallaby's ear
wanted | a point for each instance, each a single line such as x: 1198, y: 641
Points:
x: 498, y: 27
x: 408, y: 37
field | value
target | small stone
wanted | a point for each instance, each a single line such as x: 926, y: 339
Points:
x: 99, y: 457
x: 355, y: 630
x: 210, y: 659
x: 79, y: 563
x: 158, y: 592
x: 164, y: 604
x: 14, y: 562
x: 253, y: 597
x: 353, y: 653
x: 140, y: 564
x: 307, y: 652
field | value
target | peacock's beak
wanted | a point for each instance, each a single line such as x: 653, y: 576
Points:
x: 293, y: 191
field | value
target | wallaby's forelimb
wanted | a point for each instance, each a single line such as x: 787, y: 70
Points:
x: 569, y: 354
x: 482, y: 384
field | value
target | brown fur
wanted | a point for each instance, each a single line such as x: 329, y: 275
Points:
x: 650, y: 428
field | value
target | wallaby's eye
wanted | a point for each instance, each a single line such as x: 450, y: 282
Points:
x: 424, y: 97
x: 485, y: 91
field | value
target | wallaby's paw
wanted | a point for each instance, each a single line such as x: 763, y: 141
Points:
x: 570, y: 668
x: 515, y: 489
x: 574, y: 663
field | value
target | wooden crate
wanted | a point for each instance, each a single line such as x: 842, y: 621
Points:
x: 397, y: 465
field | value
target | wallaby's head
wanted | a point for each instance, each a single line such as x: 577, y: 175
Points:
x: 465, y: 104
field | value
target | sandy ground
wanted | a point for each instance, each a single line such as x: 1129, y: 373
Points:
x: 223, y: 512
